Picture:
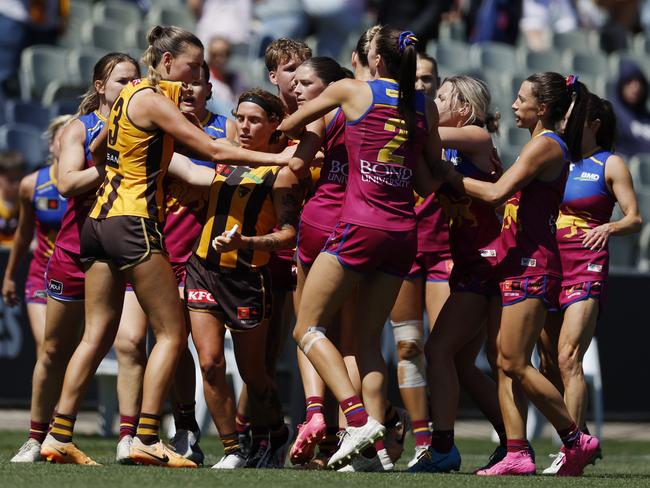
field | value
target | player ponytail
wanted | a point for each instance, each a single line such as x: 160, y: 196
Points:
x: 602, y: 110
x: 566, y: 101
x: 363, y: 45
x: 164, y: 39
x: 399, y: 52
x: 101, y: 72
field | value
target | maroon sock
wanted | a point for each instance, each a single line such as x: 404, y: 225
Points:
x: 379, y: 445
x: 242, y: 424
x: 516, y: 445
x: 128, y: 426
x: 354, y: 411
x: 38, y: 430
x: 421, y: 432
x: 442, y: 440
x: 570, y: 435
x: 314, y: 405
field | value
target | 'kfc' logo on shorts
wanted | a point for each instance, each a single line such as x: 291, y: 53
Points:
x: 200, y: 296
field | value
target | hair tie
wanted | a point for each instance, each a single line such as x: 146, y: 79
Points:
x: 571, y: 82
x: 406, y: 38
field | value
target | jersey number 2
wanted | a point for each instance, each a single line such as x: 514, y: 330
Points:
x: 387, y: 153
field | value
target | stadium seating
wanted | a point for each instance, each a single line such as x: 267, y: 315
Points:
x: 107, y: 35
x: 579, y: 40
x: 584, y: 63
x: 169, y: 15
x: 493, y: 56
x: 27, y: 112
x: 81, y: 62
x: 38, y: 66
x: 27, y: 140
x: 453, y: 57
x: 63, y: 107
x: 640, y: 170
x: 57, y: 90
x: 535, y: 62
x: 136, y: 35
x: 644, y: 248
x: 115, y: 11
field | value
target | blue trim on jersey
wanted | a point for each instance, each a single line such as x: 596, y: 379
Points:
x: 386, y: 92
x: 587, y: 178
x: 463, y: 164
x: 93, y: 125
x: 331, y: 122
x: 215, y: 127
x: 560, y: 141
x: 49, y: 205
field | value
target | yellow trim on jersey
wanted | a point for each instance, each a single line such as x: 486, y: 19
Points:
x: 136, y: 160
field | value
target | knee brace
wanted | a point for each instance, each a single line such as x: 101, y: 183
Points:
x: 311, y: 337
x: 411, y: 370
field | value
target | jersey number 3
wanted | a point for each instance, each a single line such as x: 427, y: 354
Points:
x: 387, y: 153
x: 112, y: 134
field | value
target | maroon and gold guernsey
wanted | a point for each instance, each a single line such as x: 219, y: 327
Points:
x: 323, y: 208
x: 433, y: 229
x: 79, y: 205
x: 587, y: 204
x: 381, y: 162
x: 528, y: 244
x: 136, y: 160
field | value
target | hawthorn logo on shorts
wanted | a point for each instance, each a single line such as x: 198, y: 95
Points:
x: 247, y: 313
x: 55, y: 287
x: 200, y: 296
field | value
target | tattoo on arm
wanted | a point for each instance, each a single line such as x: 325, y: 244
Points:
x: 290, y: 207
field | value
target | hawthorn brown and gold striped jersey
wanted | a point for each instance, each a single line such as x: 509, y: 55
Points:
x: 136, y: 160
x: 243, y: 196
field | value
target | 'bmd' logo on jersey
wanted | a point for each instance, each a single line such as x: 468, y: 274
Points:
x: 200, y: 296
x: 586, y: 176
x: 386, y: 174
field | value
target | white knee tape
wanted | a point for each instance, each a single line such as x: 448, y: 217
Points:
x: 410, y: 372
x: 311, y: 337
x: 408, y: 331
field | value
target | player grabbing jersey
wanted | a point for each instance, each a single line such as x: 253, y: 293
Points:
x: 595, y: 184
x: 76, y: 179
x: 389, y: 128
x: 460, y: 329
x: 228, y: 284
x: 529, y: 261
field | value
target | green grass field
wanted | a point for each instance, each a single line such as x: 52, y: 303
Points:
x: 626, y: 464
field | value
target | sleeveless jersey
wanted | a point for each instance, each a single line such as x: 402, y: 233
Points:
x: 474, y: 228
x: 186, y: 205
x: 587, y: 204
x: 243, y: 196
x: 432, y: 227
x: 79, y: 205
x: 49, y: 208
x: 136, y: 161
x: 8, y: 222
x: 528, y: 246
x: 323, y: 208
x: 381, y: 162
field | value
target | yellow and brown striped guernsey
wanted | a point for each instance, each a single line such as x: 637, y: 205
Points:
x: 136, y: 161
x: 243, y: 196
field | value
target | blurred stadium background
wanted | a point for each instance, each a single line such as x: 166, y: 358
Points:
x: 52, y: 77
